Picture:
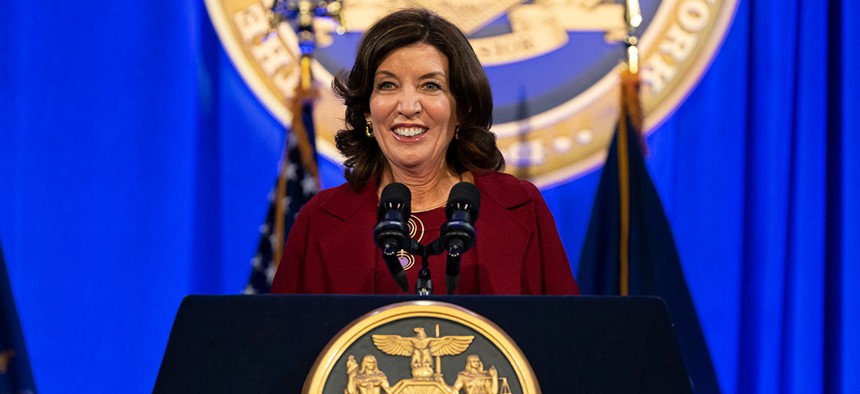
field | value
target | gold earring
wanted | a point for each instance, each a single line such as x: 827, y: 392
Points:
x: 369, y: 130
x: 457, y: 132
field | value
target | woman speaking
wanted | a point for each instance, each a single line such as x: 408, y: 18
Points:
x: 418, y: 113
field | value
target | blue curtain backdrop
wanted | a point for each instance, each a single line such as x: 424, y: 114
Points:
x: 134, y: 167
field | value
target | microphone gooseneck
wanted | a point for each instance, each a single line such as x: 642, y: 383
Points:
x: 457, y: 235
x: 391, y: 233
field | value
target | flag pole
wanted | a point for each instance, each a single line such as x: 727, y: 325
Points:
x: 299, y: 132
x: 305, y: 24
x: 301, y: 110
x: 297, y: 179
x: 629, y: 110
x: 621, y: 256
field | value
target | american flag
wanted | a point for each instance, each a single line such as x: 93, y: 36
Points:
x: 297, y: 182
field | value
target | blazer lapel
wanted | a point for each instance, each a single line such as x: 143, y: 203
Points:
x: 503, y: 237
x: 344, y: 249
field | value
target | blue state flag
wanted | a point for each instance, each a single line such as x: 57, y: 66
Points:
x: 15, y: 374
x: 629, y: 248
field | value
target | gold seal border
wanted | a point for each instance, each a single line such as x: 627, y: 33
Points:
x: 334, y: 350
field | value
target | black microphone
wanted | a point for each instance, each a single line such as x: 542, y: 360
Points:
x: 457, y: 235
x: 391, y: 232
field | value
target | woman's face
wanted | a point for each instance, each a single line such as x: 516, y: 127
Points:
x: 412, y: 108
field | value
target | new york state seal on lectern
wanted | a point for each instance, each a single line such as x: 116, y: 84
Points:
x: 421, y: 347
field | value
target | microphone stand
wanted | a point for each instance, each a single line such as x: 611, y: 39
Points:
x: 424, y: 285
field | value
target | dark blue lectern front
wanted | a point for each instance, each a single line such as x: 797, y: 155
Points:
x: 268, y: 344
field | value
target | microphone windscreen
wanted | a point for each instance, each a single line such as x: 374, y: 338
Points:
x: 464, y: 195
x: 396, y: 195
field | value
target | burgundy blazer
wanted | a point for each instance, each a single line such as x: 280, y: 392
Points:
x: 330, y: 248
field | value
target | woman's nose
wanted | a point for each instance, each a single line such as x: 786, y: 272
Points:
x: 409, y: 104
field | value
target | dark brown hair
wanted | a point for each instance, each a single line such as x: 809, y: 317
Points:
x: 475, y: 148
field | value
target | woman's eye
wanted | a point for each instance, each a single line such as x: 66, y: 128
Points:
x: 432, y: 86
x: 385, y: 85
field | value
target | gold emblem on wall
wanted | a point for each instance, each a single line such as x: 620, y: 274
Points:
x: 547, y: 138
x: 373, y: 355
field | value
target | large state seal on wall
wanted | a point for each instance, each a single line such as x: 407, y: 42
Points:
x: 553, y: 66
